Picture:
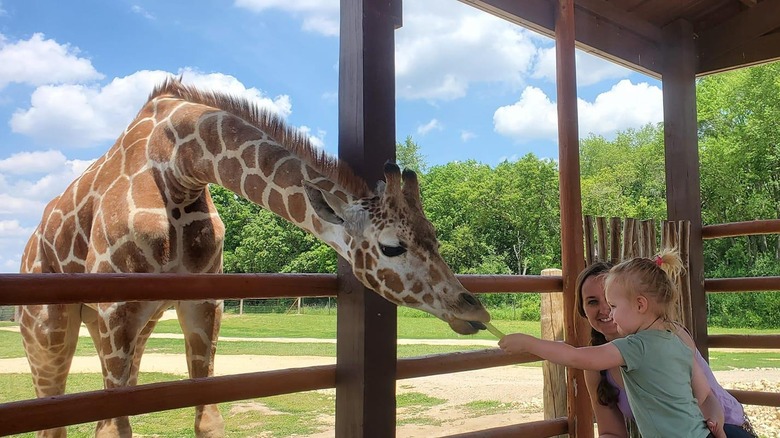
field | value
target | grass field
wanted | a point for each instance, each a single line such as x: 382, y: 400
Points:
x: 303, y: 413
x: 324, y: 327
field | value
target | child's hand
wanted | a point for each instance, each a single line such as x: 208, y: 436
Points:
x: 716, y: 429
x: 514, y: 343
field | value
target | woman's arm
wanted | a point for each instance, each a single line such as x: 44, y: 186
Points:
x: 597, y: 358
x: 709, y: 405
x: 609, y: 419
x: 712, y: 407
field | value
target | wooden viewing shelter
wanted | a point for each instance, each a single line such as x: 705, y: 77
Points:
x: 673, y: 40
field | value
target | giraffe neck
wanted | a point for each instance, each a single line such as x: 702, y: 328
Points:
x: 221, y: 148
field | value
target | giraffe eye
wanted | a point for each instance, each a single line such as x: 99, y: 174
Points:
x: 392, y: 251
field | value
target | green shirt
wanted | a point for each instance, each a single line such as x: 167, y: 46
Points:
x: 657, y: 378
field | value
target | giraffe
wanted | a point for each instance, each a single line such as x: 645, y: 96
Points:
x: 145, y: 206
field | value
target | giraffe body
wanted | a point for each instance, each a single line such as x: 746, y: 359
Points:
x: 145, y: 207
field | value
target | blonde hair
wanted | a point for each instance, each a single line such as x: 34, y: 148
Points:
x: 655, y: 278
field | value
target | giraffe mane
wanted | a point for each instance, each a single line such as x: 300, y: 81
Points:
x: 269, y: 122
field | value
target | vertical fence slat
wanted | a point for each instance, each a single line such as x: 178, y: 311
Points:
x: 587, y: 225
x: 601, y: 228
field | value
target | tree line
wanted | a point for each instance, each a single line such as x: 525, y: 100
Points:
x: 505, y: 219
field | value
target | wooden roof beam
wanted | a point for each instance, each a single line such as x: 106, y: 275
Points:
x: 597, y: 34
x: 758, y: 51
x: 738, y: 34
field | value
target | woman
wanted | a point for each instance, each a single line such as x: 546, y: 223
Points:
x: 608, y: 398
x: 669, y: 397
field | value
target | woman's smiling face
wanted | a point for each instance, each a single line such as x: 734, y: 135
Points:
x: 596, y: 308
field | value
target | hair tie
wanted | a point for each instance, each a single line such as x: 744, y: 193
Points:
x: 659, y: 261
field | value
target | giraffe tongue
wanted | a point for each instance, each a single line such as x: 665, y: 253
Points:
x: 477, y: 325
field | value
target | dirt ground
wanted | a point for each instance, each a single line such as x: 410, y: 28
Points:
x: 510, y: 384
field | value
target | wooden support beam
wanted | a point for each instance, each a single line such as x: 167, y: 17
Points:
x: 572, y: 250
x: 367, y: 323
x: 683, y: 191
x: 633, y: 48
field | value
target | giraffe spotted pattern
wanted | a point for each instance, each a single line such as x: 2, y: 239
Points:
x: 145, y: 207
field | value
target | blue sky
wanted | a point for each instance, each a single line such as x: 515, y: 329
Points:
x: 469, y: 86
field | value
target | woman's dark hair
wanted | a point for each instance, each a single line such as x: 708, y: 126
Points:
x: 607, y: 394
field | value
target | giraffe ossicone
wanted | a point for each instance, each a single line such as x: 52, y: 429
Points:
x: 145, y: 206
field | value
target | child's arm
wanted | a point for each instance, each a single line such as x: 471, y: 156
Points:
x: 597, y: 358
x: 709, y: 405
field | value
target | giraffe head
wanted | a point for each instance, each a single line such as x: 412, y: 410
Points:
x: 393, y: 249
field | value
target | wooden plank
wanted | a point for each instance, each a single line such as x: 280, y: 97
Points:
x: 595, y: 34
x: 740, y: 30
x: 758, y: 51
x: 615, y: 232
x: 742, y: 284
x: 534, y: 429
x: 770, y: 226
x: 511, y: 283
x: 25, y: 289
x: 601, y: 223
x: 683, y: 191
x: 85, y: 407
x: 744, y: 341
x: 684, y: 236
x: 628, y: 20
x: 421, y: 366
x: 554, y: 375
x: 756, y: 397
x: 653, y: 238
x: 587, y: 225
x: 572, y: 251
x: 627, y: 249
x: 367, y: 323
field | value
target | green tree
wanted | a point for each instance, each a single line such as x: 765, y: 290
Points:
x: 624, y: 177
x: 408, y: 156
x: 739, y: 143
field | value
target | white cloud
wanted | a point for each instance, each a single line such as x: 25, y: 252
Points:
x: 142, y: 12
x: 445, y: 46
x: 13, y: 237
x: 466, y: 136
x: 32, y: 162
x: 625, y: 105
x: 15, y: 206
x: 39, y: 61
x: 534, y: 116
x: 316, y: 140
x: 319, y: 16
x: 12, y: 228
x: 23, y: 196
x: 82, y: 115
x: 590, y: 69
x: 430, y: 126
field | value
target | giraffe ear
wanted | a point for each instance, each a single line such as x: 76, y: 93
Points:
x: 328, y: 207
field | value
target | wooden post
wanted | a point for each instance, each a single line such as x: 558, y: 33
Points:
x: 572, y: 251
x: 366, y: 322
x: 683, y: 189
x: 241, y: 306
x: 554, y: 396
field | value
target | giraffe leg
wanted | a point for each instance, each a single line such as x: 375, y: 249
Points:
x: 119, y: 326
x: 49, y: 334
x: 200, y: 322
